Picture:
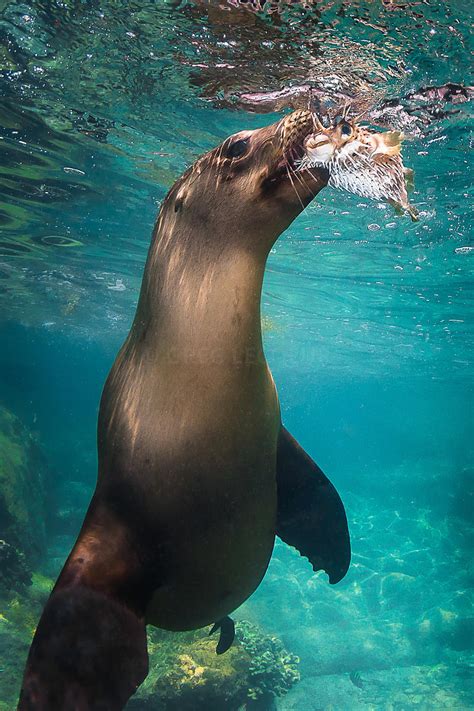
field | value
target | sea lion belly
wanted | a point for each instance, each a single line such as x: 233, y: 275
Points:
x: 222, y: 560
x: 206, y: 467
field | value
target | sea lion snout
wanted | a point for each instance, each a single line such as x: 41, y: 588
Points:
x: 295, y: 127
x: 248, y: 184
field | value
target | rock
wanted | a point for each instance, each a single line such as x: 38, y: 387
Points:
x: 13, y: 652
x: 22, y: 488
x: 393, y: 689
x: 399, y: 591
x: 14, y: 572
x: 187, y: 675
x: 448, y: 628
x: 19, y: 614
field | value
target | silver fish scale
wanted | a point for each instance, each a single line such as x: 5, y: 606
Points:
x: 378, y: 180
x: 360, y: 174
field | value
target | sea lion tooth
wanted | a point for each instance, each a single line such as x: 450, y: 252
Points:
x: 319, y: 148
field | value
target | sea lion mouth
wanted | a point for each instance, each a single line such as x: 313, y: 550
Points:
x: 289, y: 162
x: 291, y: 134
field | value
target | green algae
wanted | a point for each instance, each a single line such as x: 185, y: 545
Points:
x: 23, y: 475
x: 19, y: 615
x: 187, y: 675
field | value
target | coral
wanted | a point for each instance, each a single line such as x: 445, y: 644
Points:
x: 273, y: 670
x: 22, y: 488
x: 186, y: 674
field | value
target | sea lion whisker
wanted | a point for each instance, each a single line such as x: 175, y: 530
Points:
x: 298, y: 176
x: 218, y: 162
x: 360, y: 116
x: 302, y: 177
x: 317, y: 123
x: 294, y: 186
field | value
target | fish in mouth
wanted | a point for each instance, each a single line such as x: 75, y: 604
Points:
x: 361, y: 161
x: 344, y: 155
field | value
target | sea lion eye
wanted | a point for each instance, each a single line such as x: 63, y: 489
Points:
x: 346, y: 130
x: 237, y: 148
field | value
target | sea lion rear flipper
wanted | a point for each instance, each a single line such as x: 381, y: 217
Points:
x: 89, y: 651
x: 227, y: 628
x: 311, y: 515
x: 90, y: 648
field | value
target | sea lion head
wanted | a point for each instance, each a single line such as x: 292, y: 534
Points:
x: 246, y: 188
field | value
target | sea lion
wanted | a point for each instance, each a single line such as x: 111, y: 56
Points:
x: 196, y: 472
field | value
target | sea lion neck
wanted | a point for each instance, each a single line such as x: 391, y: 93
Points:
x: 200, y: 300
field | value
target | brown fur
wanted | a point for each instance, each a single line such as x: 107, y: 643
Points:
x: 182, y: 523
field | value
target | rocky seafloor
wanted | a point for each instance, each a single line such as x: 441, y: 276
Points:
x: 398, y: 631
x: 396, y: 634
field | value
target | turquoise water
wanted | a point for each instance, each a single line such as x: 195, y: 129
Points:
x: 368, y: 317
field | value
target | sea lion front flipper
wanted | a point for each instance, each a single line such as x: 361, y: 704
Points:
x: 311, y: 516
x: 227, y: 628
